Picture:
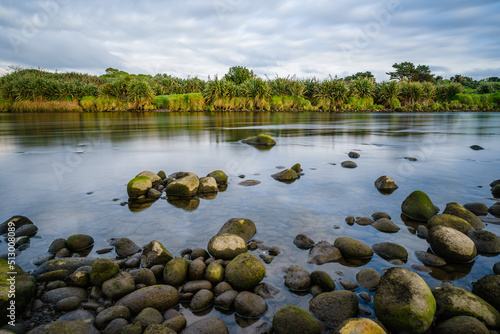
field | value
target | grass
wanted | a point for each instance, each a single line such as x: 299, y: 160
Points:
x: 45, y: 106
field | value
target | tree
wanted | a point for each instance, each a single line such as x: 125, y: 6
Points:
x: 111, y: 70
x: 239, y: 74
x: 359, y: 75
x: 408, y: 71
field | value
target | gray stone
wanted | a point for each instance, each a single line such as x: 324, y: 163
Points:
x: 68, y: 304
x: 221, y: 288
x: 334, y: 307
x: 149, y: 316
x: 175, y: 271
x: 385, y: 225
x: 196, y: 269
x: 461, y: 324
x: 297, y: 278
x: 455, y: 222
x: 385, y: 184
x: 208, y: 185
x: 201, y: 300
x: 451, y: 244
x: 488, y: 288
x: 352, y: 248
x: 143, y: 276
x: 249, y: 305
x: 119, y: 286
x: 76, y: 315
x: 102, y: 270
x: 479, y: 209
x: 266, y: 290
x: 176, y: 323
x: 226, y: 299
x: 495, y: 209
x: 324, y: 252
x: 302, y: 241
x: 368, y: 278
x: 70, y: 264
x: 53, y: 296
x: 363, y: 221
x: 125, y: 247
x: 77, y: 242
x: 116, y: 326
x: 185, y: 186
x: 73, y: 327
x: 26, y: 230
x: 485, y: 241
x: 154, y: 253
x: 390, y: 251
x: 243, y: 227
x: 226, y: 246
x: 57, y: 245
x: 159, y: 329
x: 293, y: 319
x: 430, y: 259
x: 110, y: 314
x: 195, y: 286
x: 155, y: 179
x: 349, y: 164
x: 206, y: 326
x: 160, y: 297
x: 16, y: 222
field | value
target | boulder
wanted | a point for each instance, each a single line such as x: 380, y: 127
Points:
x: 455, y: 222
x: 70, y: 264
x: 219, y: 176
x: 249, y: 305
x: 430, y: 259
x: 495, y: 209
x: 390, y: 251
x: 183, y: 187
x: 297, y: 168
x: 385, y: 225
x: 160, y: 297
x: 226, y: 299
x: 226, y: 246
x: 286, y: 175
x: 159, y: 329
x: 293, y: 319
x: 208, y: 185
x: 77, y: 242
x: 368, y: 278
x: 261, y: 140
x: 196, y: 269
x: 195, y: 286
x: 479, y: 209
x: 485, y: 241
x: 68, y: 304
x: 55, y: 295
x: 201, y: 300
x: 206, y: 326
x: 102, y: 270
x: 14, y: 222
x: 73, y: 327
x: 334, y: 307
x: 385, y: 184
x: 139, y: 186
x: 352, y: 248
x: 353, y: 155
x: 214, y: 273
x: 349, y: 164
x: 149, y: 316
x: 125, y: 247
x: 175, y: 271
x: 418, y: 206
x: 302, y: 241
x: 143, y: 276
x: 461, y: 324
x: 458, y: 210
x: 323, y: 280
x: 364, y: 221
x: 359, y: 325
x: 245, y: 271
x: 495, y: 191
x: 107, y: 315
x: 297, y: 278
x: 155, y: 179
x: 488, y: 288
x: 119, y: 286
x: 453, y: 301
x: 245, y: 228
x: 324, y: 252
x: 404, y: 302
x: 57, y: 245
x: 451, y: 244
x: 26, y: 230
x: 154, y: 253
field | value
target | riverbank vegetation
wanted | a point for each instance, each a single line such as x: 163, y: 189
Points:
x: 411, y: 88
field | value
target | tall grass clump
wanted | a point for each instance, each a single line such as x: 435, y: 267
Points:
x: 362, y: 88
x: 216, y: 89
x: 140, y: 93
x: 387, y: 93
x: 331, y: 93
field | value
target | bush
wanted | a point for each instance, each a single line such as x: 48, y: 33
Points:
x: 485, y: 88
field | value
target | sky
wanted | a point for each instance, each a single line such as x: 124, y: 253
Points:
x: 306, y: 38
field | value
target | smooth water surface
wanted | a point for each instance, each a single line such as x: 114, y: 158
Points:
x: 68, y: 174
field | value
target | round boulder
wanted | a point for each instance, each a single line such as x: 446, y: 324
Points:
x: 486, y: 241
x: 385, y: 225
x: 245, y: 228
x: 160, y: 297
x: 102, y: 270
x: 297, y: 278
x: 390, y: 251
x: 226, y: 246
x: 418, y: 206
x: 119, y: 286
x: 334, y: 307
x: 286, y: 175
x: 208, y: 185
x: 385, y: 184
x: 451, y: 244
x: 404, y: 302
x: 458, y: 210
x: 349, y: 164
x: 455, y: 222
x: 249, y: 305
x: 184, y: 187
x: 359, y: 325
x: 155, y: 179
x: 219, y: 176
x: 324, y: 252
x: 488, y: 288
x: 479, y: 209
x: 368, y: 278
x: 78, y: 242
x: 293, y: 319
x: 263, y: 140
x: 245, y: 271
x: 175, y: 271
x: 352, y: 248
x: 138, y: 186
x: 461, y: 324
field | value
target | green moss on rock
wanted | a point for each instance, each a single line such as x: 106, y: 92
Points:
x: 263, y: 140
x: 102, y: 270
x: 138, y: 186
x: 293, y: 319
x: 245, y: 271
x: 418, y: 206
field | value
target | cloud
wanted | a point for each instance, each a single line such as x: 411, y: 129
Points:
x: 303, y: 37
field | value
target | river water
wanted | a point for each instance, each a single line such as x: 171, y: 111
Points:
x: 68, y: 174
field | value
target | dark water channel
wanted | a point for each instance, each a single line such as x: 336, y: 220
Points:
x: 68, y: 174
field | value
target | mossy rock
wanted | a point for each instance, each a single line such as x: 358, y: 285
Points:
x: 25, y: 287
x: 418, y: 206
x: 245, y: 272
x: 495, y: 191
x: 18, y: 221
x: 488, y: 288
x: 334, y: 307
x: 461, y: 324
x: 226, y: 246
x: 207, y: 325
x: 485, y: 241
x: 390, y: 251
x: 286, y: 175
x: 261, y: 140
x: 452, y: 221
x: 219, y: 176
x: 359, y: 325
x: 293, y: 319
x: 297, y: 168
x: 323, y: 280
x: 175, y: 271
x: 458, y: 210
x: 77, y: 242
x: 404, y: 302
x: 352, y: 248
x: 73, y: 327
x: 297, y: 278
x: 214, y: 273
x: 162, y: 175
x: 245, y: 228
x: 160, y: 297
x: 155, y: 179
x: 69, y: 263
x: 102, y: 270
x: 155, y: 253
x: 139, y: 186
x: 453, y: 301
x: 451, y: 244
x: 368, y: 278
x: 184, y: 187
x: 208, y: 184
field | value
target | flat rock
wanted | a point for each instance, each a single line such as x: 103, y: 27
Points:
x: 430, y: 259
x: 243, y: 227
x: 385, y: 225
x: 324, y: 252
x: 249, y: 305
x: 53, y: 296
x: 160, y: 297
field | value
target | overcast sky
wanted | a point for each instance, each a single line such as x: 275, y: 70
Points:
x: 205, y: 37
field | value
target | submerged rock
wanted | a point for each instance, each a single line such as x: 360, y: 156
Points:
x: 264, y: 140
x: 74, y: 327
x: 458, y: 210
x: 185, y: 186
x: 297, y: 278
x: 353, y: 248
x: 125, y: 247
x: 302, y: 241
x: 226, y: 246
x: 249, y: 305
x: 404, y: 302
x: 323, y: 280
x: 495, y: 209
x: 286, y: 175
x: 324, y: 252
x: 219, y: 176
x: 293, y: 319
x: 353, y: 155
x: 430, y: 259
x: 418, y: 206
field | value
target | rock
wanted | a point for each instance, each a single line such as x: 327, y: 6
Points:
x: 385, y: 184
x: 418, y: 206
x: 379, y: 215
x: 422, y: 231
x: 286, y: 175
x: 496, y: 268
x: 249, y: 183
x: 264, y: 140
x: 175, y: 271
x: 26, y: 230
x: 347, y: 285
x: 221, y: 288
x: 385, y: 225
x: 488, y: 288
x: 132, y: 329
x: 70, y: 264
x: 114, y: 312
x: 102, y: 270
x: 245, y: 228
x: 476, y: 148
x: 363, y: 221
x: 53, y: 296
x: 199, y: 252
x: 455, y: 222
x: 24, y: 286
x: 226, y: 299
x: 214, y: 273
x: 14, y: 222
x: 390, y: 251
x: 154, y: 253
x: 196, y: 269
x: 77, y: 315
x: 368, y: 278
x: 57, y: 245
x: 350, y: 220
x: 125, y: 247
x: 183, y: 187
x: 149, y: 316
x: 479, y: 209
x: 353, y: 155
x: 297, y: 168
x: 162, y: 175
x: 56, y: 275
x: 153, y: 193
x: 323, y: 280
x: 324, y: 252
x: 159, y: 329
x: 461, y: 324
x: 195, y: 286
x: 249, y: 305
x: 208, y: 185
x: 430, y: 259
x: 404, y: 302
x: 334, y: 307
x: 302, y: 241
x: 359, y: 325
x: 352, y: 248
x: 138, y: 186
x: 495, y: 209
x: 495, y: 191
x: 293, y: 319
x: 160, y: 297
x: 120, y: 285
x: 266, y: 290
x: 73, y: 327
x: 219, y: 176
x: 226, y: 246
x: 348, y: 164
x: 297, y: 278
x: 77, y: 242
x: 79, y: 279
x: 155, y: 179
x: 63, y: 253
x: 207, y: 326
x: 116, y: 326
x: 451, y: 244
x: 458, y: 210
x: 68, y: 304
x: 453, y: 301
x: 485, y: 241
x: 176, y: 323
x: 245, y: 271
x: 143, y: 276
